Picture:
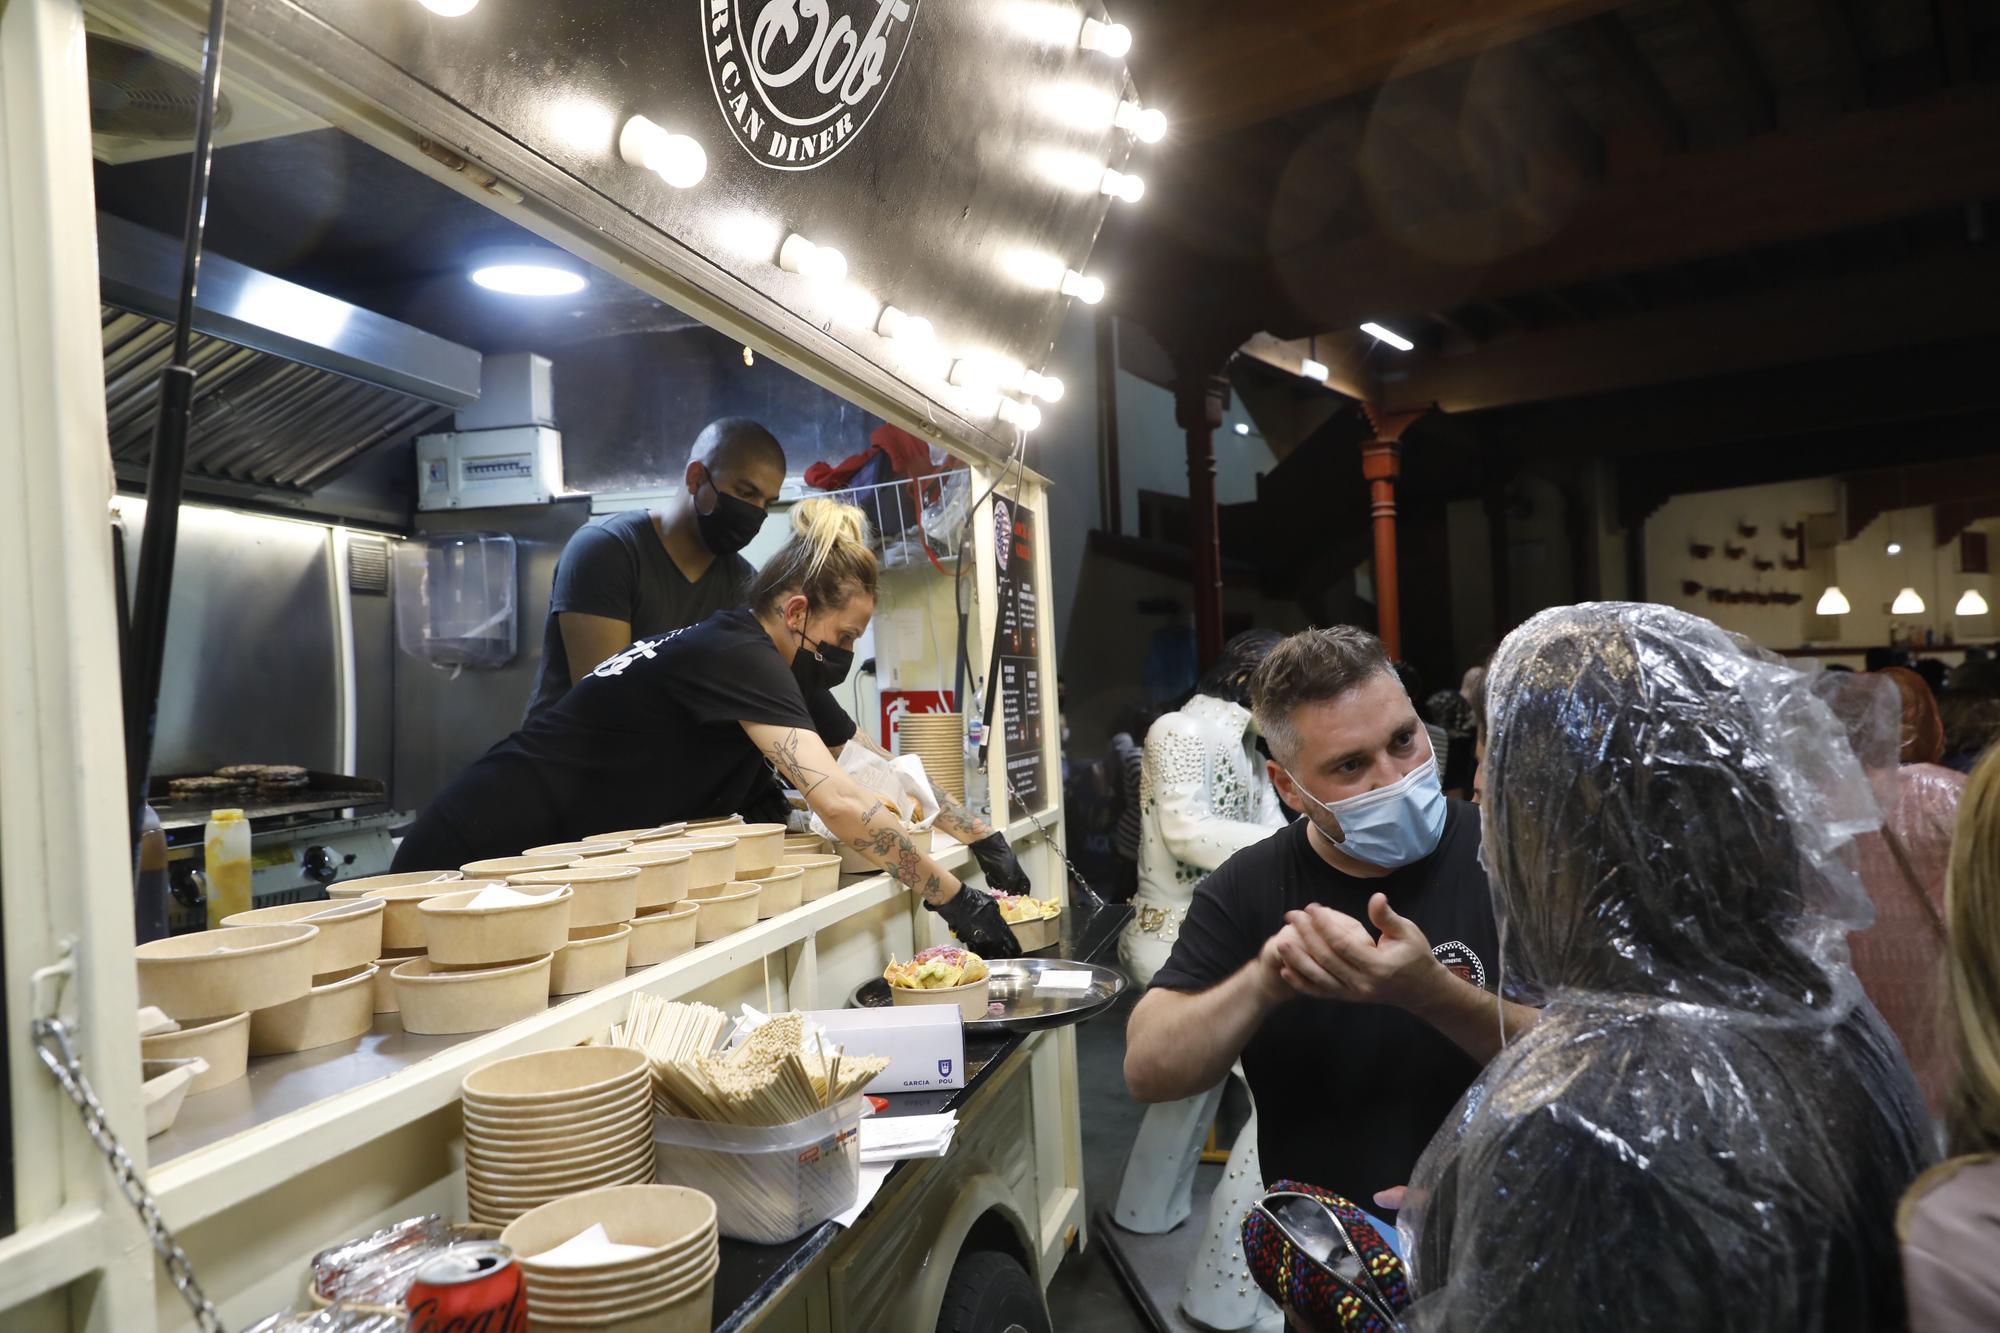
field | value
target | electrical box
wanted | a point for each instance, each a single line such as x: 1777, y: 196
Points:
x: 515, y: 389
x: 481, y: 469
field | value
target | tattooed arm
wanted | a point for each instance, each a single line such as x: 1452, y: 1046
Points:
x: 953, y: 818
x: 850, y: 810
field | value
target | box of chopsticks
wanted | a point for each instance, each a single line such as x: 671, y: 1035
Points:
x: 925, y: 1045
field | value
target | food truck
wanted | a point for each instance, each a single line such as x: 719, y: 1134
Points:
x: 836, y: 220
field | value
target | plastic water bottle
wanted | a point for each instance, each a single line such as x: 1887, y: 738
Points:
x: 975, y: 771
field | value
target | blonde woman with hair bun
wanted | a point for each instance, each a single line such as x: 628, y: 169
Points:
x: 690, y: 724
x: 1949, y: 1223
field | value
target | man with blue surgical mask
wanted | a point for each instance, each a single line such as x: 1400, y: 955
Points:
x: 1350, y: 960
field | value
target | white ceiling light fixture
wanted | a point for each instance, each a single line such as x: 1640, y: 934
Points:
x: 450, y: 9
x: 1242, y: 428
x: 1122, y: 186
x: 1894, y: 548
x: 1907, y: 603
x: 528, y: 271
x: 1314, y: 370
x: 820, y: 263
x: 1084, y: 288
x: 674, y: 158
x: 1045, y: 387
x: 1832, y: 602
x: 1147, y: 124
x: 1111, y: 39
x: 1389, y: 336
x: 1971, y: 604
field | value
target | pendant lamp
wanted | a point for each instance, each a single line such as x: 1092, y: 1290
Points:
x: 1832, y: 602
x: 1972, y: 604
x: 1907, y: 603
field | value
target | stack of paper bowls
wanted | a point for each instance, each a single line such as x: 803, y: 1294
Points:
x: 654, y: 1267
x: 546, y: 1125
x: 939, y: 740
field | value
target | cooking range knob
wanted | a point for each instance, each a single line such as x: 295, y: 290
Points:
x: 320, y: 863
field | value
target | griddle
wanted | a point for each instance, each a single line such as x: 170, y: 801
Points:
x: 322, y: 794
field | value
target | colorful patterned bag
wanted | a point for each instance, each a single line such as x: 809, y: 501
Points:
x: 1321, y: 1259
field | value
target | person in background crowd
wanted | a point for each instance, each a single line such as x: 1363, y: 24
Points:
x: 1452, y: 711
x: 646, y: 572
x: 1129, y: 753
x: 1707, y: 1125
x: 1949, y: 1223
x: 1474, y: 680
x: 1903, y: 868
x: 1413, y: 685
x: 1356, y: 1041
x: 1932, y: 673
x: 1970, y: 709
x: 1204, y: 796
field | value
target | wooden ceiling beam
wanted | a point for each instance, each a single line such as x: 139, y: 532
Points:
x: 1939, y: 298
x: 1215, y: 69
x: 1630, y: 78
x: 1347, y: 373
x: 1740, y: 63
x: 1846, y: 172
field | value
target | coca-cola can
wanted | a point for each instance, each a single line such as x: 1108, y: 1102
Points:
x: 473, y: 1286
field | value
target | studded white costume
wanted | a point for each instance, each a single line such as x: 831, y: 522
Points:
x: 1203, y: 796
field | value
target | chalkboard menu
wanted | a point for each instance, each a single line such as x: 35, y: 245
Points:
x: 1018, y: 653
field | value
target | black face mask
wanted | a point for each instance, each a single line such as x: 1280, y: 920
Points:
x: 732, y: 525
x: 820, y: 665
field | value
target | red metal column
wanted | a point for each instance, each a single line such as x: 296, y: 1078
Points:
x: 1198, y: 411
x: 1382, y: 464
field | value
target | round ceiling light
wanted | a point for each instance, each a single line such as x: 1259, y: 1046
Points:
x: 528, y: 272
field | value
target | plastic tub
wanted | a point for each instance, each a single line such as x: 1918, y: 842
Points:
x: 663, y: 872
x: 658, y: 936
x: 778, y: 892
x: 821, y: 877
x: 457, y: 932
x: 338, y: 1009
x: 605, y: 895
x: 350, y: 930
x: 769, y: 1185
x: 593, y: 957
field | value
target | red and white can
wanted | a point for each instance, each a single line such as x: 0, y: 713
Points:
x: 473, y: 1286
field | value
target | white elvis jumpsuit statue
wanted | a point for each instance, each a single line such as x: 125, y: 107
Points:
x: 1203, y: 796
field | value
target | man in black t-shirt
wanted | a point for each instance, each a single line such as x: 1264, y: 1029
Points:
x: 1356, y: 1042
x: 634, y: 575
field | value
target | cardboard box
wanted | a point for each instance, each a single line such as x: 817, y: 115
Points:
x: 925, y: 1044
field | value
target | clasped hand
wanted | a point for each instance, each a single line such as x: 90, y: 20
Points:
x: 1330, y: 956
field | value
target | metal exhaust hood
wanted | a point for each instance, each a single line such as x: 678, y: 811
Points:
x: 291, y: 384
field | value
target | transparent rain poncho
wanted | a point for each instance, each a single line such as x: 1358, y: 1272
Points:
x: 1708, y: 1127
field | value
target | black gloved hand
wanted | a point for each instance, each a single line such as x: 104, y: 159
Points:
x: 975, y: 918
x: 1002, y: 867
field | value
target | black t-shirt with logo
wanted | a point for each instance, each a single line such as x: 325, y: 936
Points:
x: 1347, y: 1094
x: 653, y: 735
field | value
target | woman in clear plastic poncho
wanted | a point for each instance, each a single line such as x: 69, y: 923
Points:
x: 1708, y: 1126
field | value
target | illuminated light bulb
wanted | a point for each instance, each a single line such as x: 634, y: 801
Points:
x: 450, y: 9
x: 1086, y: 289
x: 1907, y: 603
x: 1895, y: 548
x: 1314, y: 370
x: 1119, y: 185
x: 1832, y: 602
x: 856, y: 307
x: 1242, y: 428
x: 1037, y: 268
x: 970, y: 373
x: 1147, y: 124
x: 674, y: 158
x: 1022, y: 416
x: 1111, y: 39
x: 527, y: 270
x: 1047, y: 24
x: 1971, y: 604
x: 821, y: 263
x: 1081, y: 106
x: 904, y: 327
x: 1387, y: 335
x: 1045, y: 387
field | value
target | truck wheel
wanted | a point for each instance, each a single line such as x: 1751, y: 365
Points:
x: 991, y: 1293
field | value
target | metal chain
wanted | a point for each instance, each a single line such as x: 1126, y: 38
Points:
x: 52, y: 1043
x: 1050, y: 839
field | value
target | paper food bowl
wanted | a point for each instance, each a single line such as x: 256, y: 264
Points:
x: 726, y: 913
x: 804, y: 844
x: 604, y: 895
x: 572, y: 850
x: 854, y: 863
x: 439, y: 1003
x: 356, y: 888
x: 165, y: 1088
x: 500, y: 867
x: 594, y: 956
x: 507, y: 1184
x: 339, y: 1008
x: 636, y: 836
x: 350, y: 930
x: 402, y: 923
x: 663, y: 871
x: 385, y: 983
x: 662, y: 934
x: 223, y: 1042
x: 226, y: 971
x: 1036, y: 935
x: 457, y: 933
x: 820, y: 874
x: 711, y: 862
x: 669, y: 1270
x: 758, y: 847
x: 501, y: 1132
x: 718, y: 821
x: 490, y: 1157
x: 970, y: 998
x: 779, y: 891
x: 656, y: 1216
x: 561, y: 1074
